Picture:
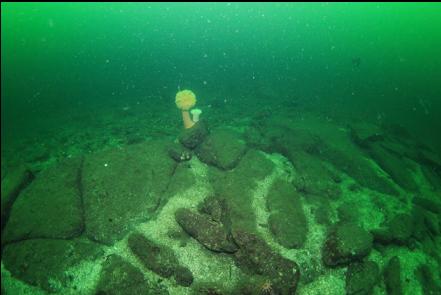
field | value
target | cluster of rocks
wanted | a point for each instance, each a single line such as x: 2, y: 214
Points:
x: 210, y: 227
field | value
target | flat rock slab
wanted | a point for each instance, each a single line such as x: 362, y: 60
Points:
x: 222, y: 148
x: 122, y: 187
x: 159, y: 259
x: 346, y: 243
x: 287, y: 221
x: 119, y: 277
x: 45, y: 263
x: 50, y: 207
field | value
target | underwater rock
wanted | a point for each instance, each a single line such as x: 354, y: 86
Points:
x: 216, y: 207
x: 346, y: 243
x: 183, y: 178
x: 363, y: 133
x: 237, y: 187
x: 12, y: 184
x: 287, y: 221
x: 50, y: 207
x: 178, y: 153
x: 123, y: 187
x: 206, y: 231
x: 392, y: 277
x: 312, y: 176
x: 256, y: 257
x: 159, y: 259
x: 119, y: 277
x: 286, y: 137
x: 194, y: 136
x: 396, y: 167
x: 428, y: 283
x: 428, y: 204
x: 45, y: 263
x: 356, y: 166
x: 348, y: 212
x: 361, y: 277
x: 222, y: 148
x: 397, y: 231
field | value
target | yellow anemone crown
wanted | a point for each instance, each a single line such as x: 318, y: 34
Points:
x: 185, y: 100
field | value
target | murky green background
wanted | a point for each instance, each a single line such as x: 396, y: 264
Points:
x: 378, y: 61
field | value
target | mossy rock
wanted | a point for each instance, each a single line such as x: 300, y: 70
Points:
x: 124, y: 187
x: 50, y: 207
x: 45, y: 263
x: 346, y: 243
x: 222, y: 148
x: 236, y: 187
x: 287, y: 221
x: 119, y: 277
x: 361, y: 278
x: 159, y: 259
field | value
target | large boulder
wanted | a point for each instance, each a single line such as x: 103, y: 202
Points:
x: 123, y: 187
x: 346, y: 243
x: 50, y: 207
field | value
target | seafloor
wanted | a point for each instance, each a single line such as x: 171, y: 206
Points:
x: 285, y: 200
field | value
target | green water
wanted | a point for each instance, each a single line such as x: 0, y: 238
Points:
x: 80, y: 79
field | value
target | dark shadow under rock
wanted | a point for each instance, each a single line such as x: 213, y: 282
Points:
x: 346, y: 243
x: 50, y: 207
x: 392, y: 277
x: 123, y: 187
x: 159, y: 259
x: 119, y: 277
x: 256, y: 257
x: 211, y: 234
x: 45, y: 263
x: 361, y: 277
x: 287, y: 221
x: 222, y: 148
